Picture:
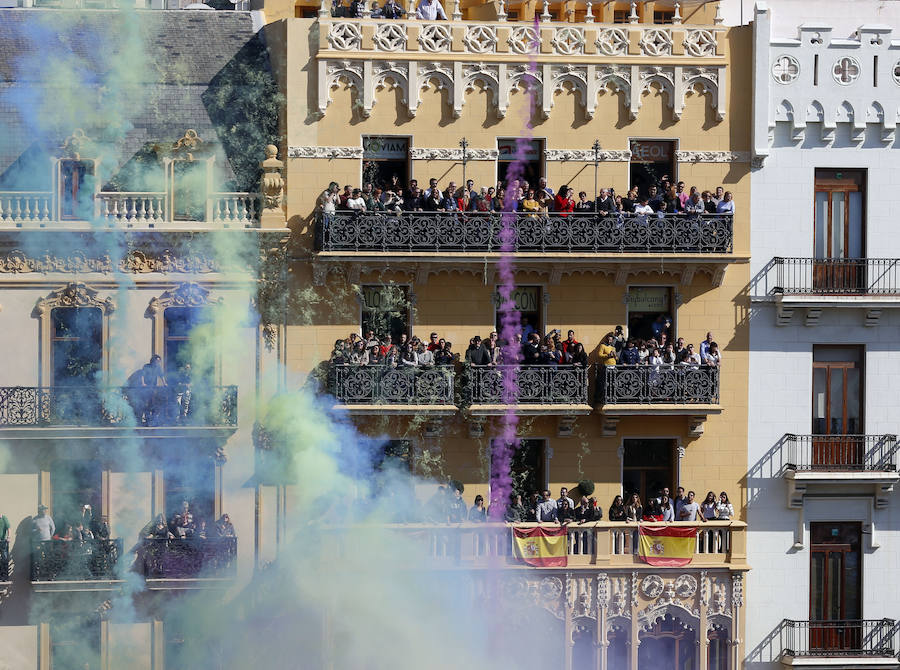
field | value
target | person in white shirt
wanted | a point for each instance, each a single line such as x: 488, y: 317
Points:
x: 430, y: 10
x: 424, y: 356
x: 691, y: 357
x: 726, y: 206
x: 713, y: 356
x: 545, y: 512
x: 724, y: 508
x: 643, y: 208
x: 355, y: 202
x: 689, y: 511
x: 704, y: 346
x: 564, y: 495
x: 666, y: 506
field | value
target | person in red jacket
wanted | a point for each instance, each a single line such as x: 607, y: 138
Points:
x: 564, y: 202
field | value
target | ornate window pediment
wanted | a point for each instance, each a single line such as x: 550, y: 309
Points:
x: 187, y: 294
x: 74, y: 295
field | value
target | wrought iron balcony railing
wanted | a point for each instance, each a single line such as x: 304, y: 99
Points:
x: 664, y: 384
x: 858, y: 637
x: 837, y: 276
x: 32, y: 406
x: 534, y: 384
x: 188, y: 558
x: 841, y: 453
x: 73, y: 560
x: 385, y: 385
x: 571, y: 233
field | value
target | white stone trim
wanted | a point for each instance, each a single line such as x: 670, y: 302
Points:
x: 424, y: 153
x: 460, y: 77
x: 712, y: 156
x: 325, y: 152
x: 586, y: 155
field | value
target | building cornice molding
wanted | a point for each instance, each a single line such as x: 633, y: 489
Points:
x: 587, y: 155
x: 712, y: 156
x: 325, y: 152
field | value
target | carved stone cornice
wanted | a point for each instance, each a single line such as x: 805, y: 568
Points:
x: 587, y: 155
x: 421, y: 153
x: 325, y: 152
x: 135, y: 262
x: 712, y: 156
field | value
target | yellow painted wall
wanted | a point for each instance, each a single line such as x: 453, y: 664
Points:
x: 459, y: 305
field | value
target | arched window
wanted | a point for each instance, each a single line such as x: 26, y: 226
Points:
x: 617, y: 656
x: 719, y: 644
x: 584, y: 651
x: 668, y: 645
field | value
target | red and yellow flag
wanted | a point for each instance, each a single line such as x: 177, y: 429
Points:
x: 667, y: 546
x: 541, y: 547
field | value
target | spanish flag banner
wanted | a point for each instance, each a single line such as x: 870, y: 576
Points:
x: 541, y: 547
x: 667, y: 546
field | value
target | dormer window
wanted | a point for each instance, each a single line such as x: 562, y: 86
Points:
x: 74, y: 195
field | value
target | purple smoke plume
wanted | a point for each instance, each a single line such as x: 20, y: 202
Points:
x: 505, y: 448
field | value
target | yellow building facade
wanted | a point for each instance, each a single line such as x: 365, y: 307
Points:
x: 589, y: 102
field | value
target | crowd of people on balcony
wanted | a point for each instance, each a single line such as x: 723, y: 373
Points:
x: 531, y: 348
x: 80, y: 546
x: 159, y: 397
x: 428, y: 10
x: 183, y: 525
x: 661, y: 200
x: 448, y: 506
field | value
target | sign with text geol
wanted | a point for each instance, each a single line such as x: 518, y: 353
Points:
x: 508, y: 147
x: 651, y: 151
x: 385, y: 148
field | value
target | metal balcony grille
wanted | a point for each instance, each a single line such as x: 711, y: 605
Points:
x: 480, y: 232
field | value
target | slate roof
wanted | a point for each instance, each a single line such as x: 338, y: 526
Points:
x: 147, y: 70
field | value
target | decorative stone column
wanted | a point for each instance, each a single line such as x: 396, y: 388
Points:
x: 272, y: 190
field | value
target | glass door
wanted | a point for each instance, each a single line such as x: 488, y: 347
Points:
x: 839, y: 231
x: 837, y: 408
x: 834, y: 586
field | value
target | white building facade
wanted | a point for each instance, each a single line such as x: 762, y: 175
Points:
x: 823, y: 510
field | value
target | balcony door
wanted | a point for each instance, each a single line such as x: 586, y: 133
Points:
x: 648, y: 467
x: 837, y: 407
x: 839, y: 231
x: 835, y: 568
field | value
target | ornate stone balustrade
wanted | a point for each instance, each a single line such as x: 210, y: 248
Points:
x: 25, y: 206
x: 612, y: 544
x: 134, y: 209
x: 370, y: 53
x: 480, y: 232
